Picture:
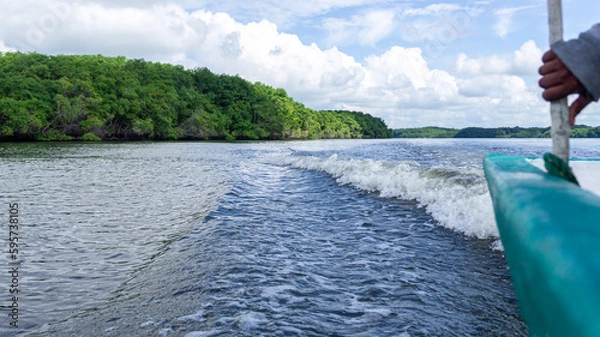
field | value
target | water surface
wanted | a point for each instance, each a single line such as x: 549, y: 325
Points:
x: 323, y: 238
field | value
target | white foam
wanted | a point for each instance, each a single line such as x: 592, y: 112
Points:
x: 147, y: 324
x: 276, y: 291
x: 198, y: 317
x: 203, y: 333
x: 251, y: 320
x: 458, y: 200
x: 165, y: 331
x: 384, y: 312
x: 111, y: 329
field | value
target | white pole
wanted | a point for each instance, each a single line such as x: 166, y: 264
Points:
x: 561, y: 129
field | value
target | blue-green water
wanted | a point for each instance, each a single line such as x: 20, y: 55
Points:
x: 323, y: 238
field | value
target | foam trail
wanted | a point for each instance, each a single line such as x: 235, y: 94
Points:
x: 458, y: 200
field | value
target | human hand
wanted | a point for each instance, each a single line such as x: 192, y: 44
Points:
x: 559, y: 82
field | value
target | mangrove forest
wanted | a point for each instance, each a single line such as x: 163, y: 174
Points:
x: 94, y: 97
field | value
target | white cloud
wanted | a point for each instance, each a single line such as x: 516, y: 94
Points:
x: 433, y: 10
x: 4, y: 48
x: 509, y: 89
x: 258, y: 52
x: 528, y: 58
x: 524, y: 61
x: 90, y: 28
x: 497, y: 84
x: 441, y: 23
x: 366, y: 29
x: 284, y: 13
x: 505, y: 24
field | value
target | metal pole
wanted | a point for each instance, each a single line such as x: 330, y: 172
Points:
x: 561, y: 129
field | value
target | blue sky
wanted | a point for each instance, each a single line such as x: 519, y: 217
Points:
x: 412, y: 62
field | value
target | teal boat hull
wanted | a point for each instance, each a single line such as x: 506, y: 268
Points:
x: 550, y: 230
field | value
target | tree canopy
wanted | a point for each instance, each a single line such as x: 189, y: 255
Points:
x: 93, y: 97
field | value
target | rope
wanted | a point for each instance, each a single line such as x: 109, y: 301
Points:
x: 559, y: 168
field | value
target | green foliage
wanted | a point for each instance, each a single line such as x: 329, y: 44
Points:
x: 365, y: 124
x: 583, y: 131
x: 578, y: 131
x: 90, y: 137
x: 515, y: 132
x: 53, y: 135
x: 92, y: 97
x: 426, y: 132
x: 480, y: 133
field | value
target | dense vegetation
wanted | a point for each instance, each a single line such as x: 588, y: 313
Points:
x: 426, y: 132
x: 111, y: 98
x: 516, y: 132
x: 584, y: 131
x: 579, y: 131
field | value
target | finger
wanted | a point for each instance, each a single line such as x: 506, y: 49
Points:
x: 557, y: 92
x: 551, y: 80
x: 554, y: 78
x: 558, y: 85
x: 553, y: 94
x: 577, y: 106
x: 548, y: 56
x: 551, y: 66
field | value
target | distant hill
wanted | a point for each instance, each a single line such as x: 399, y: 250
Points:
x: 112, y: 98
x: 579, y: 131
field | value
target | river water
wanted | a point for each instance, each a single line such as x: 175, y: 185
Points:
x: 317, y: 238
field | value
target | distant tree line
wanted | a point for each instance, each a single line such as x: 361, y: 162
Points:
x: 578, y: 131
x: 425, y: 132
x: 515, y: 132
x: 112, y: 98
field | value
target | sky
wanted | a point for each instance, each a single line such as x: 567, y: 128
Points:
x: 413, y: 63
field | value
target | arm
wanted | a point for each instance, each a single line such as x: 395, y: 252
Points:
x: 573, y: 67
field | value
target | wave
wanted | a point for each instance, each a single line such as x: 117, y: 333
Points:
x: 457, y: 198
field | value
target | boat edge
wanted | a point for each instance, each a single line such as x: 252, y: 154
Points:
x: 548, y: 228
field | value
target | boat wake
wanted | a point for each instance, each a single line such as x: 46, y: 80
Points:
x: 457, y: 198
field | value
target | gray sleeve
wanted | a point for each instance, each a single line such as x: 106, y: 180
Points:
x: 582, y: 57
